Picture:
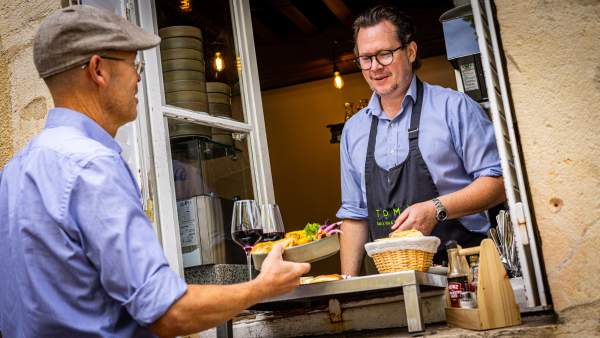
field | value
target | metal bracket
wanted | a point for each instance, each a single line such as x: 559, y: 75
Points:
x: 521, y: 222
x: 129, y: 6
x: 239, y: 136
x: 335, y: 311
x: 412, y: 303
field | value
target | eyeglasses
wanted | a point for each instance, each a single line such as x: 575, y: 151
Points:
x: 138, y: 65
x: 383, y: 57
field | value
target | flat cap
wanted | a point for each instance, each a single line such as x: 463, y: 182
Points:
x: 70, y: 36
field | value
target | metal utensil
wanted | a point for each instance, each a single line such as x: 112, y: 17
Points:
x: 493, y: 235
x: 500, y: 229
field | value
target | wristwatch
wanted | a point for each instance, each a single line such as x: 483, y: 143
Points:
x: 441, y: 214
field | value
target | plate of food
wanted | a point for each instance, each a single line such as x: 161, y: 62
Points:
x: 313, y: 243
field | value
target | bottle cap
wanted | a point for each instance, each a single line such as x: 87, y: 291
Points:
x: 451, y: 244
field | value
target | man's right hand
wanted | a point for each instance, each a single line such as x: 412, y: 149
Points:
x: 278, y: 276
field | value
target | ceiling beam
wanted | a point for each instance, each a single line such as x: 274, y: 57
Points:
x: 261, y: 30
x: 340, y: 10
x: 294, y: 15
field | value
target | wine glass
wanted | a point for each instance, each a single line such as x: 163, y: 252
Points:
x: 272, y: 223
x: 246, y: 229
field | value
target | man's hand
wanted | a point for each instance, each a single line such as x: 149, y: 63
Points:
x: 419, y: 216
x: 204, y: 306
x: 278, y: 276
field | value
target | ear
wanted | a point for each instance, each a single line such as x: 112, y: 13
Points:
x: 411, y: 49
x: 97, y: 70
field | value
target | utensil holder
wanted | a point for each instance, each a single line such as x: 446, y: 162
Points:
x: 496, y: 305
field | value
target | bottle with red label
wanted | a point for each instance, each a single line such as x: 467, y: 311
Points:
x: 457, y: 276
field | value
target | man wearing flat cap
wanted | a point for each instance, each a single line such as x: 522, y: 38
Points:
x: 79, y: 258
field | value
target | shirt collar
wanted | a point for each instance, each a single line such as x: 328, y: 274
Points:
x: 63, y: 117
x: 374, y: 106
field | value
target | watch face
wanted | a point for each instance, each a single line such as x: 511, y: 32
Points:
x: 441, y: 216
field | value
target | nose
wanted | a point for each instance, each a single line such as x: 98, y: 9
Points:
x: 375, y: 63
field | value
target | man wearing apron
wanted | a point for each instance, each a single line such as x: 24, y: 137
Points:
x: 418, y: 156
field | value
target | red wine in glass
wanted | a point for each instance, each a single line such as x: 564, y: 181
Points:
x: 272, y: 236
x: 247, y: 238
x: 246, y: 229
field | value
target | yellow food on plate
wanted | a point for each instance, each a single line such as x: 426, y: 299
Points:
x: 321, y: 278
x: 266, y: 247
x: 296, y: 235
x: 292, y: 238
x: 406, y: 233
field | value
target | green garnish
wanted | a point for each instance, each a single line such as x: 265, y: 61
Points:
x: 311, y: 230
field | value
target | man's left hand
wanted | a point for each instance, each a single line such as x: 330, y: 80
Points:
x: 419, y: 216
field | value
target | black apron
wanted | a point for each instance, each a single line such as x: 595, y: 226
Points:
x: 389, y: 192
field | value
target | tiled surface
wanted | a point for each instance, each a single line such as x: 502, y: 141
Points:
x: 217, y: 274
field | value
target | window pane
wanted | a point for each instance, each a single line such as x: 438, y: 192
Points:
x: 211, y: 170
x: 198, y: 57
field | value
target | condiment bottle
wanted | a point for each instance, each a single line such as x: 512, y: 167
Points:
x: 457, y: 275
x: 474, y: 265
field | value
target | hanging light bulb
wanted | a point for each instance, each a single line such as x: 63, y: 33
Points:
x: 338, y: 82
x: 185, y: 6
x: 218, y: 62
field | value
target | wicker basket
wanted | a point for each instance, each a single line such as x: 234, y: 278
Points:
x: 403, y: 254
x: 401, y: 260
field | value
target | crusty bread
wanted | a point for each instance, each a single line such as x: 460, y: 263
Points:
x: 406, y: 233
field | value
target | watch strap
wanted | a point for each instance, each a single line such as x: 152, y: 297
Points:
x: 440, y: 210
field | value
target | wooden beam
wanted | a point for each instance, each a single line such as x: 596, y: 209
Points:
x: 294, y: 15
x: 261, y: 30
x: 340, y: 10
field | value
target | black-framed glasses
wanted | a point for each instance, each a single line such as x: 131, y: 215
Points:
x: 138, y: 65
x: 384, y: 57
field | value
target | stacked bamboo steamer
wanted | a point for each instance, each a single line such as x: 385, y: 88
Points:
x: 182, y: 56
x: 219, y: 104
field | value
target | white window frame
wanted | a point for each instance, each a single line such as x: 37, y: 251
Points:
x: 134, y: 137
x: 508, y: 148
x: 158, y: 112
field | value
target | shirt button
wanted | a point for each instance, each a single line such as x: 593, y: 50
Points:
x: 392, y: 151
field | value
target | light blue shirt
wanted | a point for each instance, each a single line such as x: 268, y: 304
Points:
x: 78, y: 256
x: 456, y: 139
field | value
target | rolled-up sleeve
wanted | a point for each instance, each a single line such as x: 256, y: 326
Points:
x: 119, y: 240
x: 474, y: 139
x: 353, y: 206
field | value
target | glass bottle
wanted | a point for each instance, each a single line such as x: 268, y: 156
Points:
x: 362, y: 103
x: 474, y: 266
x: 457, y: 277
x: 348, y: 110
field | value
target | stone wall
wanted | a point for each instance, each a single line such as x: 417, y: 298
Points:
x: 553, y: 55
x: 24, y: 98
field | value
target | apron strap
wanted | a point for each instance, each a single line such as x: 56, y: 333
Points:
x: 372, y: 139
x: 413, y: 131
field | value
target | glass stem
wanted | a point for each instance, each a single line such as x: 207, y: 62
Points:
x: 249, y: 260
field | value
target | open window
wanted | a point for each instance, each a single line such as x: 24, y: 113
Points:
x: 201, y: 147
